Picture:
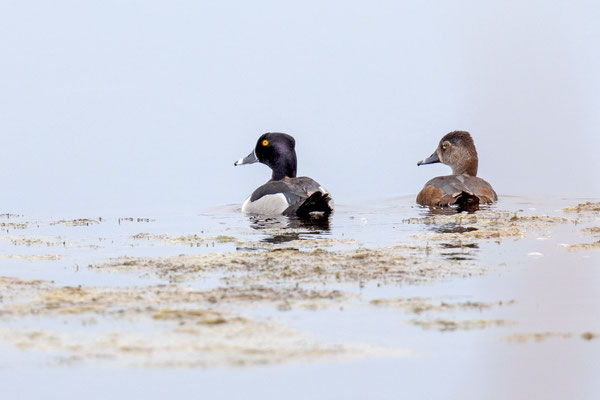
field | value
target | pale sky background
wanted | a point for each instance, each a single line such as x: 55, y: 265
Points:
x: 146, y: 104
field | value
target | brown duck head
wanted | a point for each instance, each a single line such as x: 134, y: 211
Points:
x: 457, y: 150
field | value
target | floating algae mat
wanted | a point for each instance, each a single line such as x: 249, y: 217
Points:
x: 390, y: 289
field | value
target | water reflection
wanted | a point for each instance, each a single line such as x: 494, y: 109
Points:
x: 458, y: 250
x: 433, y: 211
x: 451, y: 228
x: 281, y: 229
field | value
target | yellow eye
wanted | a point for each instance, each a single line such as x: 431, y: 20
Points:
x: 265, y: 143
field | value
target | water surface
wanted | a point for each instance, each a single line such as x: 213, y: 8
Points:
x: 490, y: 304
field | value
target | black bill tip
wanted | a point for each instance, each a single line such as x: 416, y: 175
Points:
x: 432, y: 159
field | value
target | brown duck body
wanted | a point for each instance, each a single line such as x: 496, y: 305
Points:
x: 456, y: 189
x: 463, y: 187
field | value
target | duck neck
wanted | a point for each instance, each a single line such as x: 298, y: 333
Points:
x: 468, y: 167
x: 284, y: 168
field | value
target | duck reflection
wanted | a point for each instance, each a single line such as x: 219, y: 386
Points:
x: 469, y: 209
x: 457, y: 249
x: 280, y: 229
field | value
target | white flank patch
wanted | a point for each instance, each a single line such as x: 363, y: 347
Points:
x: 270, y: 204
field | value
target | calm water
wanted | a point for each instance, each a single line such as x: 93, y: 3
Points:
x: 145, y: 105
x: 553, y: 290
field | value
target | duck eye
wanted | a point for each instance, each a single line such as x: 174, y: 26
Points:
x: 265, y: 143
x: 445, y: 145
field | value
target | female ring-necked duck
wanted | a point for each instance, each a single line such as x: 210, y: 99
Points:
x: 463, y: 187
x: 284, y: 193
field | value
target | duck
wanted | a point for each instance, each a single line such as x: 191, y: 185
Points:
x: 285, y: 193
x: 463, y: 188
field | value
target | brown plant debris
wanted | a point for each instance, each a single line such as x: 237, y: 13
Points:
x: 446, y: 325
x: 77, y: 222
x: 588, y: 206
x: 419, y: 305
x: 163, y: 326
x: 537, y: 337
x: 585, y: 246
x: 397, y: 264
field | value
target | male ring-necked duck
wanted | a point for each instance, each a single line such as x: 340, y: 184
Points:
x: 463, y: 187
x: 284, y: 193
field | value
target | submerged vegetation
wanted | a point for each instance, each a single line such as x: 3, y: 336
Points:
x: 226, y: 299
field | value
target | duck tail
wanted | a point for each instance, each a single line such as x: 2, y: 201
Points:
x: 316, y: 202
x: 464, y: 200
